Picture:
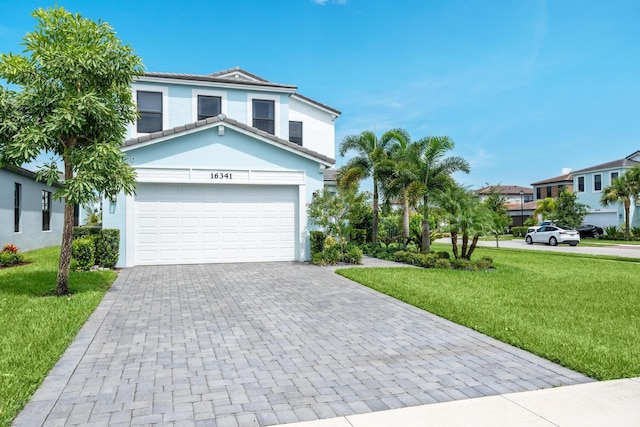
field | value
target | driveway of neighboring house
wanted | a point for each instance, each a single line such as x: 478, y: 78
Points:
x: 265, y: 344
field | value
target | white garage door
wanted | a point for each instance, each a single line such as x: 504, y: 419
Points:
x: 602, y: 219
x: 192, y: 223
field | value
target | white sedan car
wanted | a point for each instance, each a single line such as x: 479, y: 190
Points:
x: 552, y: 235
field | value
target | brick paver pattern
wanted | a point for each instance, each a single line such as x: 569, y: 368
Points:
x: 264, y: 344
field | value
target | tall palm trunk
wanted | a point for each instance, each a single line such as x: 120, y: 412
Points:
x: 454, y: 243
x: 64, y: 265
x: 406, y: 236
x: 465, y: 244
x: 627, y: 205
x: 426, y: 232
x: 472, y: 248
x: 374, y: 237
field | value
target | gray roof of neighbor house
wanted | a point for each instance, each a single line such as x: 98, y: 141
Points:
x: 562, y: 178
x: 505, y: 189
x: 528, y: 206
x: 29, y: 174
x: 234, y: 123
x: 626, y: 162
x: 240, y: 77
x: 330, y: 175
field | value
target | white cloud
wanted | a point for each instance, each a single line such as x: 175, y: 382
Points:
x: 323, y: 2
x: 566, y: 171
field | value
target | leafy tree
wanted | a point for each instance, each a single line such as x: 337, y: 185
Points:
x: 433, y: 173
x: 501, y: 219
x: 569, y: 213
x: 545, y: 208
x: 622, y: 190
x: 75, y: 102
x: 370, y: 153
x: 466, y: 216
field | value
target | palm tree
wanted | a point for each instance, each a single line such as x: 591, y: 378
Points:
x: 370, y: 153
x: 622, y: 190
x: 434, y: 174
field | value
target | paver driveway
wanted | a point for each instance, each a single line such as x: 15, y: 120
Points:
x: 263, y: 344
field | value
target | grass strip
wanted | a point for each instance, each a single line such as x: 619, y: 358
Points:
x: 579, y: 311
x: 36, y: 327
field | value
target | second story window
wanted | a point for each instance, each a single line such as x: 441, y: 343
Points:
x: 560, y: 188
x: 614, y: 175
x: 581, y: 184
x: 295, y: 132
x: 549, y: 191
x: 597, y: 182
x: 150, y: 107
x: 264, y: 115
x: 538, y: 193
x: 209, y: 106
x: 46, y: 210
x: 17, y: 199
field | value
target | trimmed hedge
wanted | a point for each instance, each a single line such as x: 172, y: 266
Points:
x: 83, y: 251
x: 519, y: 231
x: 105, y: 242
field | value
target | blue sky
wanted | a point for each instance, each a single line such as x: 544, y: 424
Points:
x: 525, y: 88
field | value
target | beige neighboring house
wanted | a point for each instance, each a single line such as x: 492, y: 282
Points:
x: 519, y: 201
x: 552, y: 187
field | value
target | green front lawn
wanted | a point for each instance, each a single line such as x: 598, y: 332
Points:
x: 36, y: 327
x: 580, y: 311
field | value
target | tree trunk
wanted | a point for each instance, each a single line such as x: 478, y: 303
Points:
x: 374, y: 237
x: 465, y: 243
x: 454, y: 243
x: 497, y: 240
x: 64, y: 265
x: 627, y: 205
x: 472, y: 248
x: 406, y: 236
x: 426, y: 232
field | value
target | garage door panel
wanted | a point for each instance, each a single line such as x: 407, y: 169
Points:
x: 189, y: 223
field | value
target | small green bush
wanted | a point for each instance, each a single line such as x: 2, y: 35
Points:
x: 462, y: 264
x: 8, y: 258
x: 359, y: 236
x: 442, y: 263
x: 107, y: 245
x: 635, y: 232
x: 318, y: 259
x: 317, y: 242
x: 353, y: 256
x: 484, y: 263
x: 84, y: 231
x: 83, y: 251
x: 443, y: 255
x: 519, y: 231
x: 428, y: 260
x: 613, y: 232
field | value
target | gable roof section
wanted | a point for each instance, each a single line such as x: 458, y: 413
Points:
x: 317, y: 104
x: 626, y: 162
x: 238, y: 73
x: 221, y: 119
x: 562, y: 178
x: 27, y: 173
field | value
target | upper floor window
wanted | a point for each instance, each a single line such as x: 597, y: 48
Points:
x: 614, y: 175
x: 560, y: 188
x: 597, y: 182
x: 150, y: 107
x: 46, y: 210
x: 264, y: 115
x: 538, y: 193
x: 295, y: 132
x: 581, y: 184
x: 17, y: 200
x: 209, y: 106
x: 549, y: 191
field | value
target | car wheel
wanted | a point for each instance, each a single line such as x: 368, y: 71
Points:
x: 529, y: 240
x: 596, y: 235
x: 553, y: 241
x: 573, y: 244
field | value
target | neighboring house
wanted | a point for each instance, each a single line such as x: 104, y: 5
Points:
x: 552, y: 187
x: 518, y: 201
x: 226, y: 165
x: 29, y: 216
x: 589, y: 183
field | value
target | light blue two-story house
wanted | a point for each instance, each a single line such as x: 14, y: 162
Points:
x: 227, y: 164
x: 588, y: 184
x: 30, y: 217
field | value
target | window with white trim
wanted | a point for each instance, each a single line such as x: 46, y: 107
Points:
x: 597, y: 182
x: 581, y: 184
x: 264, y: 115
x: 46, y: 210
x: 295, y: 132
x: 17, y: 208
x: 209, y: 106
x: 150, y: 108
x: 614, y: 175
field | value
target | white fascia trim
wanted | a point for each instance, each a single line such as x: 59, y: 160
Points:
x: 240, y: 86
x: 227, y: 125
x: 165, y: 106
x: 207, y: 92
x: 276, y: 105
x: 305, y: 101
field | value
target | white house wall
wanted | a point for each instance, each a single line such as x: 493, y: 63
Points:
x: 317, y: 127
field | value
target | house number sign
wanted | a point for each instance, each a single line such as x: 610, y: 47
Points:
x: 221, y: 175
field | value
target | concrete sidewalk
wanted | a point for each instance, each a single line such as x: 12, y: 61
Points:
x: 608, y: 403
